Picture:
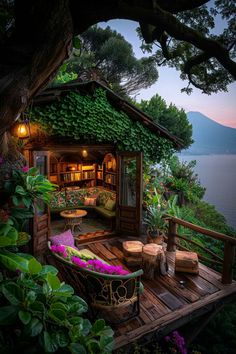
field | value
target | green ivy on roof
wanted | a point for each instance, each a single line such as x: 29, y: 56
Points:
x: 91, y: 118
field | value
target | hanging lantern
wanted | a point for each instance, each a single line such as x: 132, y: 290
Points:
x: 84, y: 153
x: 23, y: 130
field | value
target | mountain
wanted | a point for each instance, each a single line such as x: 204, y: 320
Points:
x: 210, y: 137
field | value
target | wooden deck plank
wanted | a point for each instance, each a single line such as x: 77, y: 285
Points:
x: 168, y: 299
x: 196, y: 283
x: 206, y: 273
x: 103, y: 249
x: 182, y: 313
x: 165, y: 305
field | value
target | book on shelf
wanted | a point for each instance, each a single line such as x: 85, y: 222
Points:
x: 77, y: 176
x: 110, y: 178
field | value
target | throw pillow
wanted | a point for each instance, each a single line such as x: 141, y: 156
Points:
x: 90, y: 201
x: 65, y: 238
x: 110, y: 204
x: 77, y: 253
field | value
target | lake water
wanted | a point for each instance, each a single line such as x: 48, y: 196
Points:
x: 217, y: 173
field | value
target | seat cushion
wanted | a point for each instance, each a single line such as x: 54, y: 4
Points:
x: 110, y: 204
x: 104, y: 212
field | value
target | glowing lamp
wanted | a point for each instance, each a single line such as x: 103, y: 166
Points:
x: 84, y: 153
x: 22, y: 131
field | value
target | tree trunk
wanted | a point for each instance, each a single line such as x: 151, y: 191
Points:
x: 38, y: 48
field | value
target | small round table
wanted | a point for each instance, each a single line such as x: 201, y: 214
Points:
x: 73, y: 218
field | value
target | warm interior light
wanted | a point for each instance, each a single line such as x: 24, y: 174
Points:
x: 22, y: 131
x: 84, y: 153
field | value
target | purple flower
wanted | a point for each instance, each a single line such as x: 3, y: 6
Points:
x: 25, y: 169
x: 1, y: 160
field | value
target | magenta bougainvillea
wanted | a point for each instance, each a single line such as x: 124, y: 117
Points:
x: 90, y: 264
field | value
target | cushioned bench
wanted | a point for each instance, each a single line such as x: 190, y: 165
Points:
x: 108, y: 293
x: 101, y: 200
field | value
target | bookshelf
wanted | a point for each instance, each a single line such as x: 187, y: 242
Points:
x: 66, y: 173
x: 84, y: 174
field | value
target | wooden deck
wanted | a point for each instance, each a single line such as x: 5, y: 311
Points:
x: 165, y: 305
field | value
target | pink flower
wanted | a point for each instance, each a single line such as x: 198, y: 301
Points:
x: 25, y: 169
x: 59, y: 249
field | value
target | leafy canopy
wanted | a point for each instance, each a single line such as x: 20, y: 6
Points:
x: 106, y: 55
x: 173, y: 119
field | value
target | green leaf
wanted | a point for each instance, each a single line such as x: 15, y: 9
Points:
x: 8, y: 315
x: 15, y: 200
x: 62, y: 338
x: 13, y: 261
x: 34, y: 266
x: 77, y: 348
x: 53, y: 281
x: 76, y: 43
x: 98, y: 326
x: 27, y: 202
x: 20, y: 190
x: 37, y: 306
x: 79, y: 306
x: 49, y: 344
x: 34, y: 327
x: 13, y: 293
x: 8, y: 235
x: 57, y: 315
x: 106, y: 344
x: 24, y: 316
x: 48, y: 269
x: 64, y: 290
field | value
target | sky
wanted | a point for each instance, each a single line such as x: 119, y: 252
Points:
x: 220, y: 107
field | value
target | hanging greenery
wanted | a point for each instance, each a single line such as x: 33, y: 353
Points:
x: 92, y: 119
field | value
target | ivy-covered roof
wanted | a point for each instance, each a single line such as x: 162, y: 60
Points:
x: 90, y: 112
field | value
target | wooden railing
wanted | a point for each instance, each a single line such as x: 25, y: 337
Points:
x: 229, y: 245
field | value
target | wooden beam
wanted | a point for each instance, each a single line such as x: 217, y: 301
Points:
x: 229, y: 254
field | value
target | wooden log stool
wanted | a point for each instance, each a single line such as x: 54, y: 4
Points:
x: 153, y: 261
x: 186, y: 262
x: 132, y: 252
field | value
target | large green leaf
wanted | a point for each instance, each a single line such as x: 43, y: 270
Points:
x: 8, y: 236
x: 80, y: 305
x: 48, y: 269
x: 24, y: 316
x: 106, y: 344
x: 34, y: 267
x: 50, y: 345
x: 53, y: 281
x: 77, y: 348
x: 13, y: 261
x: 34, y: 327
x: 20, y: 190
x: 13, y: 293
x: 37, y: 306
x: 64, y: 290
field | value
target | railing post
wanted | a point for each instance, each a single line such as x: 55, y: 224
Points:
x: 227, y: 272
x: 172, y: 231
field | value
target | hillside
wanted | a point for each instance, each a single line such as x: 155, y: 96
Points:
x: 210, y: 137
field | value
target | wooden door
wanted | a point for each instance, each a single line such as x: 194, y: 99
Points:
x: 41, y: 220
x: 129, y: 193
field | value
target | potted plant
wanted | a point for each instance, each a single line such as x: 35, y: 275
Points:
x: 156, y: 224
